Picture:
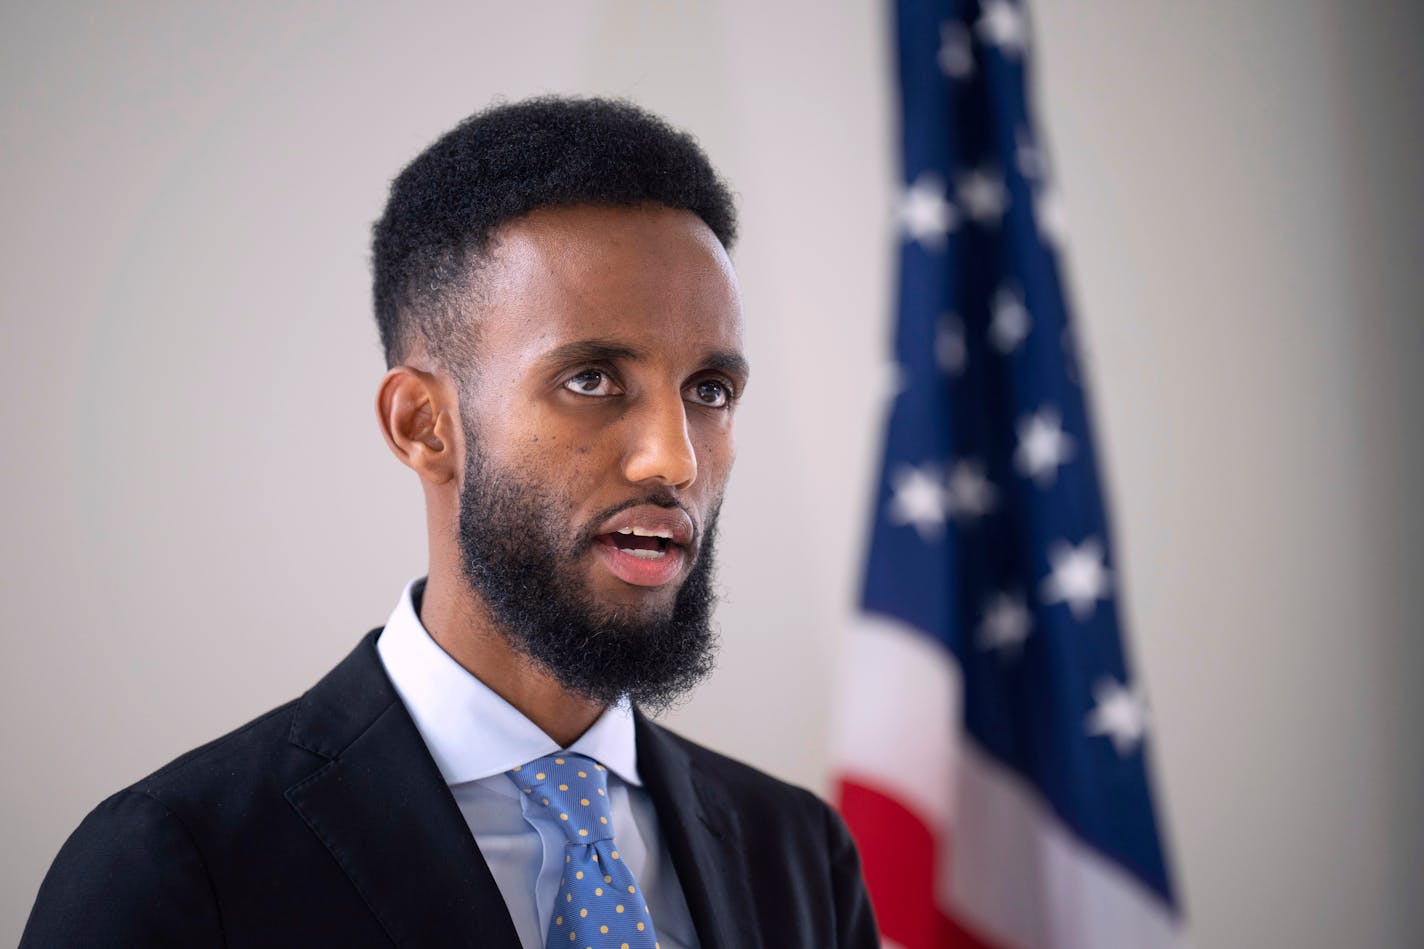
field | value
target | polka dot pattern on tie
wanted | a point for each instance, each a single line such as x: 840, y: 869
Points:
x: 599, y: 905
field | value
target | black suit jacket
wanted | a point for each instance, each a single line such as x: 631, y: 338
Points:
x: 326, y: 823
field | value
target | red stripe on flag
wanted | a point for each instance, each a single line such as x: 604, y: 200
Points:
x: 898, y: 854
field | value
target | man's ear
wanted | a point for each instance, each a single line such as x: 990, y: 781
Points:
x: 419, y: 414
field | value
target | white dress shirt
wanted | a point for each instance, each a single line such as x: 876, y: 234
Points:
x: 475, y: 737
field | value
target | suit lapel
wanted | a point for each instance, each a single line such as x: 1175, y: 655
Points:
x: 382, y: 809
x: 699, y: 829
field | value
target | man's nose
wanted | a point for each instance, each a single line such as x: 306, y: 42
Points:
x: 660, y: 450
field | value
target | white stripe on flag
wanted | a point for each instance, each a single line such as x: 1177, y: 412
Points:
x: 1017, y: 874
x: 1022, y: 876
x: 899, y: 708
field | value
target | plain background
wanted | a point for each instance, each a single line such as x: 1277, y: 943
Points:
x: 200, y: 516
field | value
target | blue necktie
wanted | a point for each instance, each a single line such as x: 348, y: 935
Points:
x: 599, y: 905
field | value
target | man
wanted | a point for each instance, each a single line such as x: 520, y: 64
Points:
x: 563, y: 333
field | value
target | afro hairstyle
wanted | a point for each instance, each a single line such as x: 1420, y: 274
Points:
x: 501, y: 164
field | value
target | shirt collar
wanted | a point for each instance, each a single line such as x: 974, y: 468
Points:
x: 471, y: 732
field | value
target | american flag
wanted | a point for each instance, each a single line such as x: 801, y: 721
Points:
x: 991, y: 757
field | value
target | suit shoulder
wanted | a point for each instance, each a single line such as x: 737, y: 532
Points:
x: 320, y: 722
x: 130, y: 874
x: 238, y: 780
x: 254, y: 740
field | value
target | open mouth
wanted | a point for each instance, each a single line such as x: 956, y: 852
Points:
x: 646, y: 545
x: 640, y: 543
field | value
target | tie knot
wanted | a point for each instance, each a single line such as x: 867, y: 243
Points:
x: 574, y: 788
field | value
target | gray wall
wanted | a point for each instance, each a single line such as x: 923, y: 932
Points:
x: 201, y: 516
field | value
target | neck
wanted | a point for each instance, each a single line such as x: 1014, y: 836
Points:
x: 460, y: 624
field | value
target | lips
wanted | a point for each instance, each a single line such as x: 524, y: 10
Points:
x: 646, y: 545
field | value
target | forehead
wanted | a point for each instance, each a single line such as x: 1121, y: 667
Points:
x: 652, y: 278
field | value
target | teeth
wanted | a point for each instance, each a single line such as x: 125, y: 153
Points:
x: 645, y: 554
x: 643, y: 532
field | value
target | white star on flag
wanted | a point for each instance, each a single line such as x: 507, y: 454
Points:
x: 968, y: 493
x: 1050, y: 215
x: 1007, y: 622
x: 1120, y: 713
x: 1043, y: 446
x: 1002, y: 25
x: 925, y: 214
x: 956, y: 51
x: 983, y: 195
x: 1010, y: 323
x: 1027, y: 156
x: 919, y: 500
x: 892, y: 379
x: 1077, y: 576
x: 950, y: 351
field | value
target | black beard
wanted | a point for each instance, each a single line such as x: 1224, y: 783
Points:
x: 512, y: 556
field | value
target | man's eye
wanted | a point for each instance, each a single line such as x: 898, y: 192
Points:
x: 711, y: 393
x: 590, y: 382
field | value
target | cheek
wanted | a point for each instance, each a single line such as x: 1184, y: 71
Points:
x: 716, y: 450
x: 544, y: 440
x: 565, y: 462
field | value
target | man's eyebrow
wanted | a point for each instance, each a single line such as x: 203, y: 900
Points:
x: 733, y: 364
x: 597, y: 350
x: 591, y: 350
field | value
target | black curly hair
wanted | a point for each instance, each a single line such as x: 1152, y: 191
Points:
x: 500, y: 164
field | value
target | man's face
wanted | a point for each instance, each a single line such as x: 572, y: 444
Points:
x: 599, y: 441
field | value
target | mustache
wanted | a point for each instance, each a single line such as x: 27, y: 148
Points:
x: 661, y: 499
